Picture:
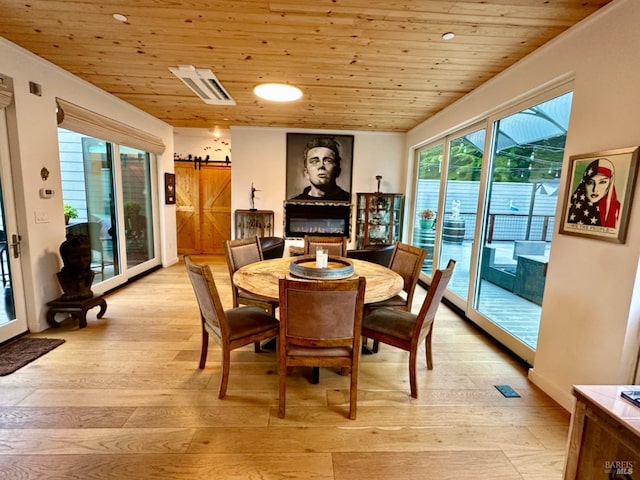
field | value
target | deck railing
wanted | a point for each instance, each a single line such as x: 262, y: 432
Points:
x: 511, y: 227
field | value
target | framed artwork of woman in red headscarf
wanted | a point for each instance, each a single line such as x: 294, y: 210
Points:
x: 599, y: 194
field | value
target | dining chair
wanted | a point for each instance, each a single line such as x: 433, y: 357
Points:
x: 406, y: 260
x: 320, y: 324
x: 234, y: 328
x: 380, y: 254
x: 241, y: 252
x: 406, y: 330
x: 336, y: 246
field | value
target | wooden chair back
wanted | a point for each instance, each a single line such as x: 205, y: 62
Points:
x: 320, y: 325
x: 211, y: 310
x: 241, y: 252
x: 427, y: 313
x: 238, y: 253
x: 335, y: 246
x: 406, y: 261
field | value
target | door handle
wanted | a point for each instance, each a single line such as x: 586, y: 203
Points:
x: 15, y: 245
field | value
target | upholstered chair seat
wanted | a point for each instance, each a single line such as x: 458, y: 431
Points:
x: 249, y: 321
x: 394, y: 323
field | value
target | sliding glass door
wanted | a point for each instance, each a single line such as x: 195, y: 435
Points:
x: 505, y: 196
x: 430, y: 161
x: 138, y: 208
x: 87, y: 170
x: 108, y: 191
x: 460, y: 206
x: 526, y: 161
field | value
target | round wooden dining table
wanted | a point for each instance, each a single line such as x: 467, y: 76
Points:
x: 261, y: 278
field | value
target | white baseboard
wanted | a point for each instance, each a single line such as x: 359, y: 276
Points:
x: 564, y: 398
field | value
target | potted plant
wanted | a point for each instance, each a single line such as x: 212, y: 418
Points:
x: 132, y: 208
x: 69, y: 213
x: 426, y: 219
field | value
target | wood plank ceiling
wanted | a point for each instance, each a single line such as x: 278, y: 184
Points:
x: 361, y: 64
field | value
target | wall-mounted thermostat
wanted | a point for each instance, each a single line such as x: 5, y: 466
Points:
x: 46, y: 193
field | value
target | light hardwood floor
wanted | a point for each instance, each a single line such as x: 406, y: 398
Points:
x: 124, y: 399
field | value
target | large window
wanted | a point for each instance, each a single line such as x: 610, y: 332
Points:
x: 506, y: 196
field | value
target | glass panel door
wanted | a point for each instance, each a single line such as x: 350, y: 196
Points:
x: 86, y: 165
x: 460, y: 205
x: 13, y: 318
x: 427, y: 196
x: 526, y: 160
x: 138, y: 211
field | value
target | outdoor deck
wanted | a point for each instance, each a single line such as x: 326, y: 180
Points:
x: 513, y: 313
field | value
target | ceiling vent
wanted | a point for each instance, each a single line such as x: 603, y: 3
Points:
x: 204, y: 84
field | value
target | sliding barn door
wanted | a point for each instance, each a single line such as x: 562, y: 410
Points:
x: 203, y: 208
x: 215, y: 207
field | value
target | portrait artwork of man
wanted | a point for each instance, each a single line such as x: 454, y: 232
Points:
x: 319, y: 167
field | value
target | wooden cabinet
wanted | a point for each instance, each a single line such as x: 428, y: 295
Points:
x: 605, y: 434
x: 254, y: 223
x: 378, y: 218
x: 203, y: 208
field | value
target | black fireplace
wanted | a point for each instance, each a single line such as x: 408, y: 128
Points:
x: 316, y: 218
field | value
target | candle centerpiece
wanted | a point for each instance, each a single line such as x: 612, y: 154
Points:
x: 335, y: 268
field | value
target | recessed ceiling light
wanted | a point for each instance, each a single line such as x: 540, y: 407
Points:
x: 448, y: 36
x: 278, y: 92
x: 119, y: 17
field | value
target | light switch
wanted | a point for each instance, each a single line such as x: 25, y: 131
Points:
x: 42, y: 216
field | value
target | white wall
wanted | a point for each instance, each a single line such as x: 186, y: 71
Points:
x: 259, y: 157
x: 35, y: 145
x: 589, y: 331
x: 200, y: 142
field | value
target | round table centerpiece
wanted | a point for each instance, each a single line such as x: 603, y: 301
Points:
x: 338, y: 268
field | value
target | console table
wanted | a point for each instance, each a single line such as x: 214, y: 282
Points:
x: 254, y: 223
x: 76, y: 308
x: 605, y: 434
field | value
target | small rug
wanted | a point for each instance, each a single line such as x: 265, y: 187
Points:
x: 17, y: 354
